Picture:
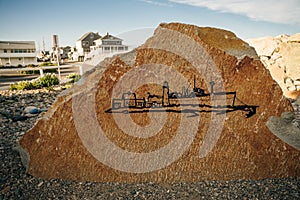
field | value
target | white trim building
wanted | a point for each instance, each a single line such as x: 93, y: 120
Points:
x: 109, y: 44
x: 13, y: 53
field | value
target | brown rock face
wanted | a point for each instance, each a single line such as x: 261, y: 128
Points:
x: 197, y: 110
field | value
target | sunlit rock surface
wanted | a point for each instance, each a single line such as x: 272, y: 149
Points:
x: 281, y: 55
x: 205, y: 138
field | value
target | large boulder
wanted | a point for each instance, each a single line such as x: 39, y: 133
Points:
x: 197, y: 107
x: 281, y: 56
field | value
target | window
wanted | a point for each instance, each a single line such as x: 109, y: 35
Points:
x: 5, y: 50
x: 85, y: 43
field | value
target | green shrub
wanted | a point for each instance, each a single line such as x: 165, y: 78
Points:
x: 30, y: 72
x: 47, y: 80
x: 67, y: 86
x: 73, y: 77
x: 13, y: 86
x: 25, y: 85
x: 31, y: 65
x: 47, y: 64
x: 38, y: 71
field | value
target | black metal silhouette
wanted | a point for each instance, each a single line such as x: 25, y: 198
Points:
x: 169, y: 100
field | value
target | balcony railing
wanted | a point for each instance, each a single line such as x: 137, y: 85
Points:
x: 17, y: 55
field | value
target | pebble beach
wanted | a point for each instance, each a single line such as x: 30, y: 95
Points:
x: 15, y: 183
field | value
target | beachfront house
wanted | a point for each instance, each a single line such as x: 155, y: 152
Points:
x: 66, y: 52
x: 92, y: 43
x: 13, y: 53
x: 109, y: 44
x: 84, y: 43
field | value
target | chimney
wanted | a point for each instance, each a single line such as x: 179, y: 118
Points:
x: 55, y: 41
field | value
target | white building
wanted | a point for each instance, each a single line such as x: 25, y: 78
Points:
x: 109, y: 44
x: 13, y: 53
x: 91, y: 44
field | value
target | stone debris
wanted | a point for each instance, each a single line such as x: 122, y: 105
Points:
x: 281, y: 55
x: 23, y: 111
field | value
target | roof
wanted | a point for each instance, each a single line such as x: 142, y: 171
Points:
x: 87, y: 34
x: 17, y: 45
x: 110, y: 37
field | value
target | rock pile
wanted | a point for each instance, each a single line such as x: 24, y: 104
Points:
x: 98, y: 131
x: 281, y: 55
x: 24, y: 109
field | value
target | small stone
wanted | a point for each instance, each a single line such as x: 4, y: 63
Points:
x: 19, y: 118
x: 30, y: 115
x: 44, y: 110
x: 31, y: 110
x: 40, y: 184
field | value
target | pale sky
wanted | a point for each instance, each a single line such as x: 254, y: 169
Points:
x: 70, y: 19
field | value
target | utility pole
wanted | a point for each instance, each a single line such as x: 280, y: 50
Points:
x: 57, y: 52
x: 57, y: 56
x: 44, y: 49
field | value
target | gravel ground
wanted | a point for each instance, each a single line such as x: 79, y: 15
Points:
x: 16, y: 184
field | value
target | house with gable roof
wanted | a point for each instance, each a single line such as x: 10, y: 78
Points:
x: 109, y: 44
x: 94, y: 43
x: 84, y: 43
